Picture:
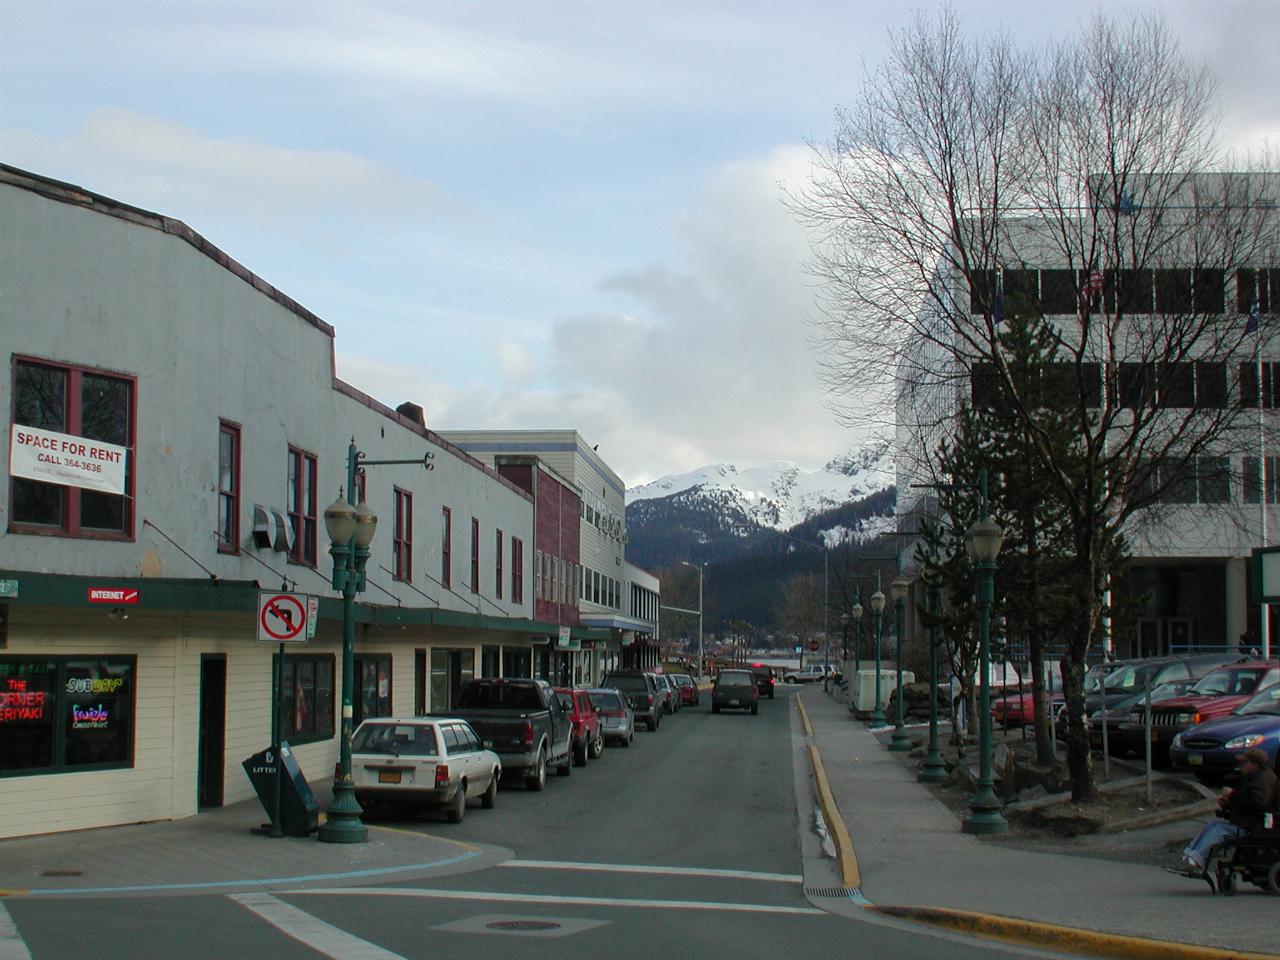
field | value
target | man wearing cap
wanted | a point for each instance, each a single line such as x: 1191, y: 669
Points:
x: 1242, y: 808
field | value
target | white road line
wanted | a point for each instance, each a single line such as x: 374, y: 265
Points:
x: 12, y: 946
x: 658, y: 871
x: 555, y: 900
x: 306, y: 929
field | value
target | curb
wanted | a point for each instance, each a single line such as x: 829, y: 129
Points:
x: 1071, y: 940
x: 847, y: 860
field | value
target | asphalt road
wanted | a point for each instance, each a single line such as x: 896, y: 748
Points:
x: 694, y: 841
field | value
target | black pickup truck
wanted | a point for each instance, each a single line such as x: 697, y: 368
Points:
x: 522, y: 722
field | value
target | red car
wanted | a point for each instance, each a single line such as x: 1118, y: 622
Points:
x: 1214, y: 695
x: 687, y: 687
x: 588, y: 741
x: 1018, y: 710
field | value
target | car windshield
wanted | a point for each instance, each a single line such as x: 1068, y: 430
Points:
x: 1130, y: 678
x: 605, y: 701
x: 1093, y: 678
x: 1227, y: 683
x: 399, y: 739
x: 1266, y: 700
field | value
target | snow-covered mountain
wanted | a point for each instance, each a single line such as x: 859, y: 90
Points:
x: 779, y: 494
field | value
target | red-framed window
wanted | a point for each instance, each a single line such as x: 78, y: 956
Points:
x: 517, y: 570
x: 446, y: 547
x: 497, y: 553
x: 81, y: 402
x: 303, y: 474
x: 402, y: 542
x: 475, y: 555
x: 228, y: 487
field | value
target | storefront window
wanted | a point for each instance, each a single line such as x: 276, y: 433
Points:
x: 373, y: 676
x: 65, y: 713
x: 307, y: 699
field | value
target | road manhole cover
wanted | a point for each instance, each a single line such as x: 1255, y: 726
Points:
x: 523, y: 925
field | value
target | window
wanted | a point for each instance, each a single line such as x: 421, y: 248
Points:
x: 62, y: 714
x: 1249, y: 384
x: 1173, y: 291
x: 402, y: 539
x: 306, y: 702
x: 1059, y: 291
x: 537, y: 575
x: 228, y: 487
x: 446, y: 547
x: 1210, y: 287
x: 984, y: 386
x: 1129, y: 291
x: 1021, y: 296
x: 1137, y: 386
x: 982, y: 291
x: 373, y: 686
x: 475, y: 555
x: 517, y: 570
x: 1211, y: 385
x: 1177, y: 385
x: 82, y: 403
x: 497, y: 574
x: 1249, y: 476
x: 302, y: 506
x: 1256, y: 286
x: 1213, y: 476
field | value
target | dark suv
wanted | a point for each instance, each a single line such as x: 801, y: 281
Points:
x: 764, y: 679
x: 641, y: 691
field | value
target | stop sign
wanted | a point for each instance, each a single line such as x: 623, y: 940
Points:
x: 814, y: 646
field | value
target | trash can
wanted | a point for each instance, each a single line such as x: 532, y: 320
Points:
x: 299, y: 811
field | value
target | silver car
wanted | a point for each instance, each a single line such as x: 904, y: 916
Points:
x: 433, y: 761
x: 617, y: 719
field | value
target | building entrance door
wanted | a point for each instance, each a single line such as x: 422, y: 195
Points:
x: 213, y: 730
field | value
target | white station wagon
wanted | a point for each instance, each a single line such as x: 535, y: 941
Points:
x: 436, y: 762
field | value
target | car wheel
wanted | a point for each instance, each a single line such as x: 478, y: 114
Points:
x: 489, y: 798
x: 1273, y: 878
x: 566, y: 768
x: 580, y: 754
x: 627, y: 742
x: 457, y: 808
x: 597, y: 747
x: 538, y: 779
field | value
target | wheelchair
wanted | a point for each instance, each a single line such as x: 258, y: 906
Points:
x: 1251, y: 858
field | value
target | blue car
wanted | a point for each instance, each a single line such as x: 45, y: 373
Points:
x: 1209, y: 749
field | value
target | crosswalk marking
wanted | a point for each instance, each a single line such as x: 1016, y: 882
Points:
x: 12, y: 946
x: 314, y: 933
x: 554, y: 899
x: 658, y: 871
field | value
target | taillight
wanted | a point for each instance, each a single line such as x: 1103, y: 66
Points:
x: 649, y: 698
x: 771, y: 681
x: 442, y: 775
x: 528, y: 734
x: 1197, y: 718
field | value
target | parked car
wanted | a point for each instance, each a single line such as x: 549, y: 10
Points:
x: 435, y: 762
x: 670, y: 698
x: 588, y: 741
x: 735, y: 690
x: 687, y: 687
x: 1209, y: 750
x: 1017, y: 708
x: 641, y: 690
x: 1214, y: 695
x: 764, y: 679
x: 617, y: 719
x: 522, y: 722
x: 813, y: 673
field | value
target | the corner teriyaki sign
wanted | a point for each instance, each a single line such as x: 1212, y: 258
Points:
x: 61, y: 458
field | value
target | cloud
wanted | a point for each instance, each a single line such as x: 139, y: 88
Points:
x: 514, y: 361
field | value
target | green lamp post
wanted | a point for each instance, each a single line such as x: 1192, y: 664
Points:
x: 351, y: 528
x: 934, y: 770
x: 899, y: 589
x: 877, y: 607
x: 983, y: 541
x: 855, y: 613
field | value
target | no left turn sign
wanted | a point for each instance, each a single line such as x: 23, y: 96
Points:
x: 282, y: 617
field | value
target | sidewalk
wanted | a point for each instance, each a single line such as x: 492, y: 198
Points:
x: 217, y: 850
x: 910, y: 852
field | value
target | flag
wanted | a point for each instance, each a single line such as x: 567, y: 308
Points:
x: 1255, y: 318
x: 997, y: 312
x: 1092, y: 288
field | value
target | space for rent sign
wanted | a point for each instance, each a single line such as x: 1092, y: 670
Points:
x: 49, y: 457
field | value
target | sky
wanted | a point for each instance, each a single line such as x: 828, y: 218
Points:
x: 523, y: 214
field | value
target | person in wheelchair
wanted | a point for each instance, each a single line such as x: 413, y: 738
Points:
x: 1242, y: 808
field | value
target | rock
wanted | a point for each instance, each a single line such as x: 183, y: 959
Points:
x: 1032, y: 793
x: 962, y: 776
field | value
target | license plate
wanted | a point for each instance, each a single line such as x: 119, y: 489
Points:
x: 388, y: 776
x: 1195, y: 759
x: 733, y: 703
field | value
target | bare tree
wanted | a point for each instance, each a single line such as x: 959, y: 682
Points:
x: 1083, y: 185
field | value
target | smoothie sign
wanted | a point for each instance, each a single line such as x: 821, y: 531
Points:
x: 49, y: 457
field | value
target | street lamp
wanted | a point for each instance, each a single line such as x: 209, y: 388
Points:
x: 934, y: 769
x: 899, y: 588
x: 856, y: 613
x: 351, y: 530
x: 350, y: 527
x: 877, y: 607
x: 982, y: 542
x: 698, y: 567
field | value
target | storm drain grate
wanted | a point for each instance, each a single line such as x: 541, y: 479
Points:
x: 523, y: 925
x: 830, y: 891
x: 62, y: 873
